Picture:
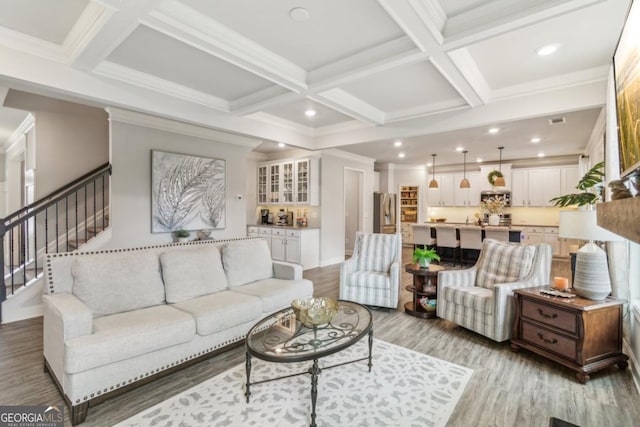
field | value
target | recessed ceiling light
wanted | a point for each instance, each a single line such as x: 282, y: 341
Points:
x: 479, y: 159
x: 459, y: 149
x: 493, y: 131
x: 310, y: 113
x: 541, y: 154
x: 401, y: 155
x: 429, y: 164
x: 299, y: 14
x: 397, y: 143
x: 535, y: 140
x: 548, y: 49
x: 281, y: 144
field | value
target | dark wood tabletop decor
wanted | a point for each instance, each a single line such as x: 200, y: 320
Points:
x: 425, y: 284
x: 583, y: 335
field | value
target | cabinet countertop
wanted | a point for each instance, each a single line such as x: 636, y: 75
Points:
x: 286, y: 227
x: 512, y: 227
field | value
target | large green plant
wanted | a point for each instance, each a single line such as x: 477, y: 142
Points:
x: 591, y: 179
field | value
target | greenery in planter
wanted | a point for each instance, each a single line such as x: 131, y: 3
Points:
x: 593, y: 178
x: 429, y: 254
x: 181, y: 234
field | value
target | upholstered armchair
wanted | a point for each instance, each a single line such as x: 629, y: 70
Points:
x: 372, y: 275
x: 480, y: 298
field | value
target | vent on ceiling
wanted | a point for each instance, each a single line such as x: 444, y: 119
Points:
x: 557, y: 120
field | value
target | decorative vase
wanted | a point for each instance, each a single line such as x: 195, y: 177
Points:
x: 494, y: 219
x: 424, y: 263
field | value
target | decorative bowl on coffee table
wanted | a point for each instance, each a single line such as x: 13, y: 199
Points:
x: 314, y: 311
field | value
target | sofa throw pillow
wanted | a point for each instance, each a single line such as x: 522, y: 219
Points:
x: 116, y: 282
x: 503, y: 262
x: 192, y: 272
x: 376, y: 252
x: 247, y: 261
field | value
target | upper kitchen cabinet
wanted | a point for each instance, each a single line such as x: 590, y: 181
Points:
x: 534, y: 187
x: 449, y: 192
x: 290, y: 182
x: 444, y: 194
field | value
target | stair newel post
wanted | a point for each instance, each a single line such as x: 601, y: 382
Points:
x: 3, y: 288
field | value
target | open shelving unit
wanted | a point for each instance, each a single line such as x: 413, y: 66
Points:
x: 409, y: 203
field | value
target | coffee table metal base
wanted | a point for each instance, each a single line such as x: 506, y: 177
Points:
x: 314, y: 370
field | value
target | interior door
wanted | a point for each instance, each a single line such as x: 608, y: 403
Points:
x: 353, y: 182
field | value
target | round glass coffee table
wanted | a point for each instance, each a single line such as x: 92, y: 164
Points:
x: 281, y: 338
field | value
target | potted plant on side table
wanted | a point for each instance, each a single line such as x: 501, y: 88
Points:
x: 424, y: 256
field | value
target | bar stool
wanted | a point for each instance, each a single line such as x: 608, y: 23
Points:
x: 497, y: 233
x: 446, y: 237
x: 470, y: 238
x: 422, y: 236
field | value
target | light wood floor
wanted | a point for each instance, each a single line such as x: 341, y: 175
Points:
x: 506, y: 389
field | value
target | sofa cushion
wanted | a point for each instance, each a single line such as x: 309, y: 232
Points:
x: 125, y: 335
x: 247, y: 261
x: 377, y: 252
x: 116, y: 282
x: 277, y: 294
x: 192, y: 272
x: 502, y: 262
x: 222, y: 310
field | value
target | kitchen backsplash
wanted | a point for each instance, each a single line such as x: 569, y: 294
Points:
x: 313, y: 213
x: 519, y: 216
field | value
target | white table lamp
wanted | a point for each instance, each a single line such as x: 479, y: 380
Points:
x: 592, y: 271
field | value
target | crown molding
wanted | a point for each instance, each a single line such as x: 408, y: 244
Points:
x: 160, y: 123
x: 432, y: 16
x: 426, y: 110
x: 282, y: 123
x: 148, y: 81
x: 32, y: 45
x: 336, y: 152
x: 348, y: 104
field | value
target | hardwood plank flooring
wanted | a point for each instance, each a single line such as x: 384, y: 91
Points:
x: 506, y: 389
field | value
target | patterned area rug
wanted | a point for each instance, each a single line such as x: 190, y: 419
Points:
x: 404, y: 388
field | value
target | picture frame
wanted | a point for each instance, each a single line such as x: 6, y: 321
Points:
x: 188, y: 192
x: 626, y: 71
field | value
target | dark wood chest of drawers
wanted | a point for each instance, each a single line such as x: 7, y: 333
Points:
x: 581, y: 334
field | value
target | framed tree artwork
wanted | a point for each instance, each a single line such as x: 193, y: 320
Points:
x: 188, y: 192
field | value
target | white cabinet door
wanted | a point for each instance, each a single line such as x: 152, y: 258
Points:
x: 519, y: 187
x: 287, y: 185
x: 274, y: 183
x: 447, y: 190
x: 477, y: 184
x: 544, y: 184
x: 263, y: 184
x: 293, y: 250
x: 569, y: 177
x: 551, y: 238
x: 302, y: 181
x: 278, y: 248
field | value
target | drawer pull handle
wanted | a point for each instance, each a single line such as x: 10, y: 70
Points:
x: 552, y: 341
x: 548, y: 316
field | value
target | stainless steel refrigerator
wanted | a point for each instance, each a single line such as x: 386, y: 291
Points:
x: 384, y: 213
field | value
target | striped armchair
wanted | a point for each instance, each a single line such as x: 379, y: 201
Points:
x: 481, y: 298
x: 372, y: 275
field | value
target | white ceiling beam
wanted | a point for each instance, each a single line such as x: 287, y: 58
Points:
x: 116, y: 21
x: 91, y: 21
x: 540, y: 104
x: 182, y: 23
x: 501, y: 16
x: 419, y: 27
x: 384, y: 57
x: 348, y: 104
x: 259, y: 100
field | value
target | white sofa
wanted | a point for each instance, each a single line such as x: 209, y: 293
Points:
x: 114, y: 318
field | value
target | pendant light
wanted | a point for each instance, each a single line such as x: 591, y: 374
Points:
x: 433, y: 183
x: 465, y: 182
x: 499, y: 181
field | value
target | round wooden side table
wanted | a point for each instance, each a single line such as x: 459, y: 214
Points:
x: 425, y: 284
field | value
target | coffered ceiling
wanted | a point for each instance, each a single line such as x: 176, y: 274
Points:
x: 434, y: 74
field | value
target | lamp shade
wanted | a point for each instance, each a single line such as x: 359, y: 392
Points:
x: 583, y: 225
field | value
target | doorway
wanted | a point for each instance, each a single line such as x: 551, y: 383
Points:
x: 353, y: 207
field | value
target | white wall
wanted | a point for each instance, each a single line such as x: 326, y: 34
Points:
x: 332, y: 232
x: 131, y: 146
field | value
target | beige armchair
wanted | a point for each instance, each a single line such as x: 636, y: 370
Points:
x: 372, y: 275
x: 480, y: 298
